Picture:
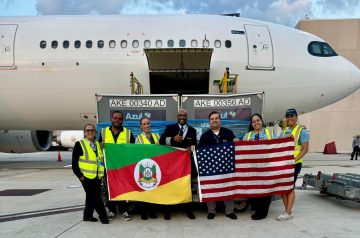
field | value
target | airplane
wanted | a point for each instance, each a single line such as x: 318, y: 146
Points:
x: 52, y: 66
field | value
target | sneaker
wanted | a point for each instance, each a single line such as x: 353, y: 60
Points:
x: 284, y: 216
x: 111, y: 216
x: 125, y: 216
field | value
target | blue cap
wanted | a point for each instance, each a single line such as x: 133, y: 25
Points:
x: 291, y: 112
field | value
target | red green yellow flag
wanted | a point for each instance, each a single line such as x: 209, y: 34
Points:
x: 149, y: 173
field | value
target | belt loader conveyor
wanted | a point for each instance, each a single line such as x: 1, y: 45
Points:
x: 341, y: 185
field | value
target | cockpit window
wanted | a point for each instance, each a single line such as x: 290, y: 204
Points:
x: 320, y: 49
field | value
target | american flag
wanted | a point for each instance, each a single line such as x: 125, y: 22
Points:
x: 245, y: 169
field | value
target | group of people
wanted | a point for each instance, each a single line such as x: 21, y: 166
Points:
x: 88, y: 161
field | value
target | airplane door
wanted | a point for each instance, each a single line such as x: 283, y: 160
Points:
x: 7, y: 44
x: 260, y: 49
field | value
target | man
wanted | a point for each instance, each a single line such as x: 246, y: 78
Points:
x: 218, y: 135
x: 301, y: 140
x: 117, y: 134
x: 356, y: 147
x: 183, y: 136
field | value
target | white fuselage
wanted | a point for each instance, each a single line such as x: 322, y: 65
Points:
x: 47, y: 89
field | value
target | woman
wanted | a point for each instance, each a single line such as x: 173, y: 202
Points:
x: 88, y: 166
x: 301, y: 140
x: 257, y: 132
x: 146, y: 137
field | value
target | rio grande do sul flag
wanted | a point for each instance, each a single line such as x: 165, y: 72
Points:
x: 147, y: 172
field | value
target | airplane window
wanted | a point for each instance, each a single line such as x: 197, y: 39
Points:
x: 170, y: 43
x: 77, y: 44
x: 112, y: 44
x: 42, y: 44
x: 66, y: 44
x: 158, y: 43
x: 88, y: 44
x: 100, y: 44
x: 194, y: 43
x: 182, y: 43
x: 123, y: 44
x: 206, y: 43
x: 54, y: 44
x: 228, y: 44
x: 147, y: 44
x: 135, y: 44
x: 217, y: 43
x: 321, y: 49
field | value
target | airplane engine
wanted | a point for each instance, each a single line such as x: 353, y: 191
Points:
x: 67, y: 139
x: 21, y: 141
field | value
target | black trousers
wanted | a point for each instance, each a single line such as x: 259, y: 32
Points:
x: 260, y: 205
x: 355, y: 152
x: 113, y: 206
x: 93, y: 200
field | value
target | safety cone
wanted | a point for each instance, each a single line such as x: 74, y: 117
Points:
x: 59, y: 156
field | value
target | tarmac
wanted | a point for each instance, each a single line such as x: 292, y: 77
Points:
x: 57, y: 210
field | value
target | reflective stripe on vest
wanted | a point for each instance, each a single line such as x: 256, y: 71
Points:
x: 296, y: 134
x: 124, y: 136
x: 144, y: 140
x: 89, y: 163
x: 267, y: 132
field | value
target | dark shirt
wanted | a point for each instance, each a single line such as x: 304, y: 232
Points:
x: 209, y: 138
x: 116, y: 135
x: 173, y: 130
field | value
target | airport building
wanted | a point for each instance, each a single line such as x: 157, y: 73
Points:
x: 340, y: 121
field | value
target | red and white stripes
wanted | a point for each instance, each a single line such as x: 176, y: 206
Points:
x: 262, y: 168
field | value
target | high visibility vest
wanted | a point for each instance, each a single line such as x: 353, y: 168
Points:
x: 123, y: 138
x: 90, y: 164
x: 267, y: 132
x: 296, y: 134
x: 144, y: 140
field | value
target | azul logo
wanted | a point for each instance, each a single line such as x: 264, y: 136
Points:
x: 147, y: 174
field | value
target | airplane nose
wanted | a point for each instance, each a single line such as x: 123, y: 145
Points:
x: 355, y: 76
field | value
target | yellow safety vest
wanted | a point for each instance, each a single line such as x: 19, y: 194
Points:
x: 90, y: 164
x: 142, y: 139
x: 267, y: 132
x: 296, y: 134
x: 123, y: 138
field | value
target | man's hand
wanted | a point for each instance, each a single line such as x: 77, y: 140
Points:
x: 82, y: 178
x: 178, y: 138
x: 236, y: 140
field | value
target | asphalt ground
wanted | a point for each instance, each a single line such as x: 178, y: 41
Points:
x: 55, y: 210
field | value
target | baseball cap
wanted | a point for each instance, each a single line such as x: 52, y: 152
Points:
x: 290, y: 112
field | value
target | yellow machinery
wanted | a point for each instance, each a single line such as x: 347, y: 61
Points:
x: 135, y: 85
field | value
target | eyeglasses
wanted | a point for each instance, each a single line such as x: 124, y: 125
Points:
x: 90, y: 130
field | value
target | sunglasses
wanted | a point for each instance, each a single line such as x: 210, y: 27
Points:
x: 117, y: 118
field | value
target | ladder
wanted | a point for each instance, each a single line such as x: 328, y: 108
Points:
x: 228, y: 85
x: 135, y: 86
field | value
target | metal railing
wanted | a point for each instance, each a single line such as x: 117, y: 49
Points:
x: 135, y: 85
